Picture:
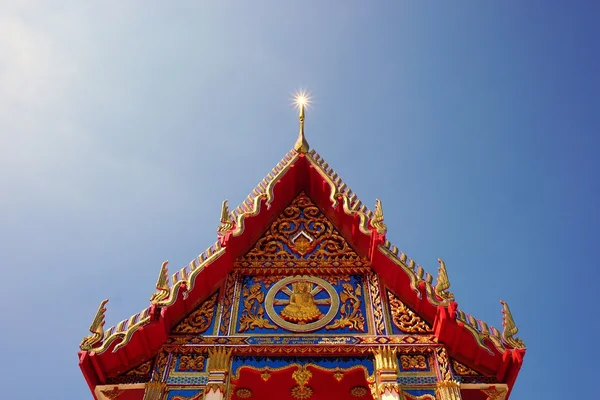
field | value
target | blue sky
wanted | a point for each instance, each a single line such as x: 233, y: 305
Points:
x: 123, y: 125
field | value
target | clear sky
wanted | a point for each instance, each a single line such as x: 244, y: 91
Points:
x: 123, y: 125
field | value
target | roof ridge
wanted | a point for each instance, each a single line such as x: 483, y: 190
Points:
x: 480, y: 329
x: 185, y: 276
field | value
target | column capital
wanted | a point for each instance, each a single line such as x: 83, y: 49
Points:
x: 155, y: 390
x: 448, y: 390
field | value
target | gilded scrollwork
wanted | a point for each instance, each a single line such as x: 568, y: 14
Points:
x: 96, y: 329
x: 377, y: 306
x: 404, y: 318
x: 142, y: 369
x: 350, y: 314
x: 443, y: 364
x: 510, y: 328
x: 463, y: 370
x: 163, y: 289
x: 200, y: 319
x: 191, y: 363
x: 301, y: 236
x: 410, y: 362
x: 228, y: 304
x: 253, y: 315
x: 443, y: 283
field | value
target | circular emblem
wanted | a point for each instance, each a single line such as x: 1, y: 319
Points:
x: 302, y: 303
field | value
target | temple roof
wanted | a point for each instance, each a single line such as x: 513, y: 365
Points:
x: 113, y: 350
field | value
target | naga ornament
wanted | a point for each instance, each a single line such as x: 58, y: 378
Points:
x: 510, y: 328
x: 162, y: 285
x: 226, y: 221
x: 443, y: 283
x: 97, y: 329
x: 377, y: 221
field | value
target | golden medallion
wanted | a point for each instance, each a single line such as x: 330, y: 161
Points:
x: 304, y: 303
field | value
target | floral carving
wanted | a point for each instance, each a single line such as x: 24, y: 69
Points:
x: 462, y: 369
x: 377, y: 307
x: 200, y: 319
x: 253, y: 315
x: 192, y: 363
x: 405, y: 319
x: 409, y: 362
x: 228, y: 304
x: 350, y: 314
x: 301, y: 236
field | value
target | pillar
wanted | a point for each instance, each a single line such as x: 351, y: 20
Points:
x: 386, y: 375
x: 446, y: 388
x: 155, y: 391
x: 219, y: 362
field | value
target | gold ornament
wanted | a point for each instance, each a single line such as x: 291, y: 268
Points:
x: 199, y: 320
x: 162, y: 285
x: 409, y: 362
x: 377, y: 221
x: 358, y: 391
x: 218, y: 359
x: 226, y: 221
x: 253, y: 314
x: 462, y: 369
x: 443, y: 283
x: 97, y: 329
x: 405, y: 319
x: 510, y: 328
x: 301, y: 313
x: 243, y: 393
x: 311, y: 237
x: 350, y: 313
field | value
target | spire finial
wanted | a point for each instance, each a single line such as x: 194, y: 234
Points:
x: 301, y: 100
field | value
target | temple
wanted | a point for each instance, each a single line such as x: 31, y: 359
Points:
x: 301, y: 297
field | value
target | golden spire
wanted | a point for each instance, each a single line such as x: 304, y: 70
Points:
x: 301, y: 100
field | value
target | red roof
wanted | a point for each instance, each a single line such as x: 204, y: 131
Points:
x: 468, y: 340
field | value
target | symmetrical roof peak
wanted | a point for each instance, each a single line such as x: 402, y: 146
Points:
x: 303, y: 169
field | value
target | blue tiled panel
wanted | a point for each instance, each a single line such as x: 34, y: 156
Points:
x: 417, y: 380
x: 187, y: 380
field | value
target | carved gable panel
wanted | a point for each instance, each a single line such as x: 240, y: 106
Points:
x: 199, y: 321
x: 403, y: 319
x: 301, y: 237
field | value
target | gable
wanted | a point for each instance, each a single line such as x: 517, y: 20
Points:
x: 301, y: 236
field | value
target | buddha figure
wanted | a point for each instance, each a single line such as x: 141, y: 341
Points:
x: 301, y: 308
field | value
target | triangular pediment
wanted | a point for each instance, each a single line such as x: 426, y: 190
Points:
x: 301, y: 236
x: 404, y: 319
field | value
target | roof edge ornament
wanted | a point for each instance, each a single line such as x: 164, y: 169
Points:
x: 227, y: 223
x: 162, y: 285
x: 377, y: 221
x: 97, y: 329
x: 443, y: 283
x: 510, y: 328
x: 301, y: 145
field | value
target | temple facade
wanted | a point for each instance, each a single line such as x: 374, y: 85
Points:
x: 302, y: 297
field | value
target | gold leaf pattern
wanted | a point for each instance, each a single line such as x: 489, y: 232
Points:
x: 405, y: 319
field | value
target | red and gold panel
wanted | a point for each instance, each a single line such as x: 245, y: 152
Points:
x: 301, y: 382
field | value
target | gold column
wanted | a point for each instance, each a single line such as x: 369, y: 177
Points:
x: 219, y: 360
x: 446, y: 388
x: 386, y: 374
x: 155, y: 391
